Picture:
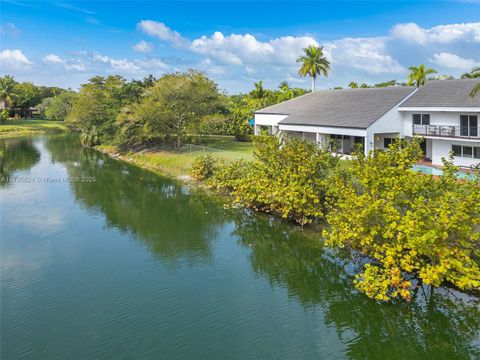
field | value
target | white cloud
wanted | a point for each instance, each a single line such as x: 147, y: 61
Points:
x: 411, y: 32
x: 143, y: 46
x: 71, y: 64
x: 453, y: 61
x: 132, y: 67
x: 52, y: 59
x: 366, y: 54
x: 75, y: 67
x: 121, y: 65
x: 14, y: 59
x: 162, y: 32
x: 237, y: 49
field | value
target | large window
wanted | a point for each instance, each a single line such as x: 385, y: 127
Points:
x: 466, y: 151
x: 421, y: 119
x: 387, y: 142
x: 468, y: 125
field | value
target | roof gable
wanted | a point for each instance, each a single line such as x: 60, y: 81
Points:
x: 354, y: 108
x: 445, y: 93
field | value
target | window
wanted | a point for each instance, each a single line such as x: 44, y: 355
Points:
x: 421, y: 119
x: 417, y: 119
x: 387, y: 142
x: 468, y: 125
x: 457, y: 150
x: 466, y: 151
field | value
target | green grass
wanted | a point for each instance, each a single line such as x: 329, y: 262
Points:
x: 31, y: 127
x: 176, y: 164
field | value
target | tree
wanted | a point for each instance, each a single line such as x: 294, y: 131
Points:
x: 60, y: 105
x: 7, y: 86
x: 26, y: 95
x: 42, y: 107
x: 287, y: 177
x: 284, y: 86
x: 259, y: 92
x: 169, y: 107
x: 473, y: 74
x: 418, y: 75
x: 353, y: 85
x: 96, y: 107
x: 410, y: 228
x: 314, y: 63
x: 386, y: 83
x: 475, y: 90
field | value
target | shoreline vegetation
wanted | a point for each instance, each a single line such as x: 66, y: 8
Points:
x: 403, y: 230
x: 169, y: 162
x: 15, y: 128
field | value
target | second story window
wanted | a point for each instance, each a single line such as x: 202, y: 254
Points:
x: 421, y: 119
x: 469, y: 125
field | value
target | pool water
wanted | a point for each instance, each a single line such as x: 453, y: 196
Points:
x: 424, y: 169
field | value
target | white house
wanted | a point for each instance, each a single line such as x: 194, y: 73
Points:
x: 442, y: 112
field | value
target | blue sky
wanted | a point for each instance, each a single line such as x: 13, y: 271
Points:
x: 64, y: 43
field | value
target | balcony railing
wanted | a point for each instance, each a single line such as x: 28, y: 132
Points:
x: 468, y: 132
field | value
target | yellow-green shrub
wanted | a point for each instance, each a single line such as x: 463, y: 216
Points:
x: 286, y: 177
x: 203, y: 167
x: 413, y: 228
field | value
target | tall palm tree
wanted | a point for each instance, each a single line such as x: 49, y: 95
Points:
x: 314, y: 63
x: 284, y: 86
x: 353, y: 85
x: 259, y: 92
x: 418, y: 75
x: 475, y: 91
x: 7, y: 83
x: 473, y: 74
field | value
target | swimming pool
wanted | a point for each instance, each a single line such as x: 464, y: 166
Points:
x: 424, y: 169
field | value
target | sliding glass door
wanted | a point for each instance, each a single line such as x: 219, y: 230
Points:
x: 469, y: 125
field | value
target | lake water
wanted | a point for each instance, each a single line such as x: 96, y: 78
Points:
x: 102, y: 260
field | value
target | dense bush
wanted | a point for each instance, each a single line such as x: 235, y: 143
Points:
x: 288, y: 178
x: 412, y: 228
x: 203, y: 167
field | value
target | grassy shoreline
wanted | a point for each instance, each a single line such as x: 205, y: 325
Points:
x: 14, y: 128
x: 178, y: 164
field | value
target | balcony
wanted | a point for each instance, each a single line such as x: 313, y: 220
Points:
x: 465, y: 132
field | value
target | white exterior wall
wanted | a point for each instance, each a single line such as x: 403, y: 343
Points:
x: 441, y: 148
x: 389, y: 125
x: 447, y: 118
x: 269, y: 120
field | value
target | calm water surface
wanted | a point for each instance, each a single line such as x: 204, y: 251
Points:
x: 135, y: 266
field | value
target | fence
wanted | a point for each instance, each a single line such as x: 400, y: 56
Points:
x: 198, y: 148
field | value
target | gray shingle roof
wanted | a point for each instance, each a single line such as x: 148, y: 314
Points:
x: 353, y: 108
x: 445, y: 93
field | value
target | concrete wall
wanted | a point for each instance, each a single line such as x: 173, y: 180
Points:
x: 442, y: 148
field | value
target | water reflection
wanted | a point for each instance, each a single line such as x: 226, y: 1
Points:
x: 443, y: 326
x: 16, y: 155
x: 159, y: 212
x: 268, y: 288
